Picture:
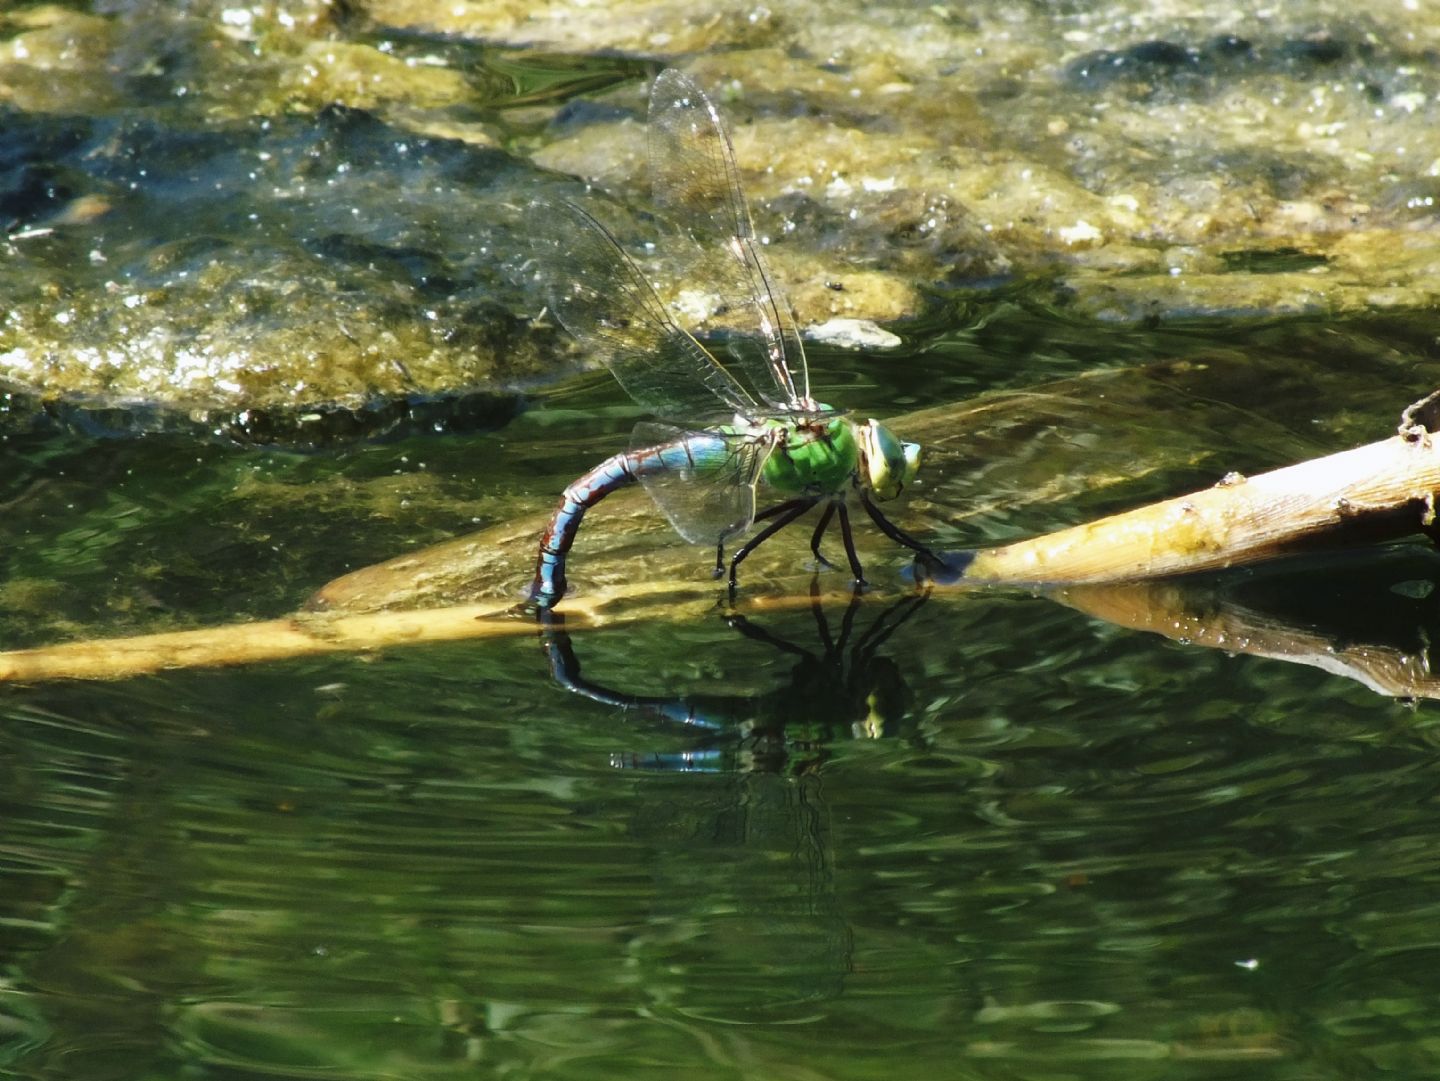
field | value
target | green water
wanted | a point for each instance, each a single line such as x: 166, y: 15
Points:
x: 980, y: 837
x: 996, y: 839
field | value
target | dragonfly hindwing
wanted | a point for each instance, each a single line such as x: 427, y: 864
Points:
x: 702, y: 481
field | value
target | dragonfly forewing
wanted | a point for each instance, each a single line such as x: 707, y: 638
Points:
x: 702, y: 481
x: 695, y: 181
x: 603, y: 299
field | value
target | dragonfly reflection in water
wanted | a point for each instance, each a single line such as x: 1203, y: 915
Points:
x: 845, y: 689
x: 749, y: 418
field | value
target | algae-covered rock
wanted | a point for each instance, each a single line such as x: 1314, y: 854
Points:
x: 259, y: 266
x: 644, y: 27
x: 272, y: 206
x: 942, y: 144
x: 207, y: 210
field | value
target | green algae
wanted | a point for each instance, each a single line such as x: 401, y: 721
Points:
x: 231, y: 209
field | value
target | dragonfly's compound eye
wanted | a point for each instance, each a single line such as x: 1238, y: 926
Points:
x: 889, y: 464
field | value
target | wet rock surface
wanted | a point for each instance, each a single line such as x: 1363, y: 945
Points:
x: 241, y: 212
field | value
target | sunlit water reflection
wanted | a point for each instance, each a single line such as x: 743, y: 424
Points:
x: 1071, y: 851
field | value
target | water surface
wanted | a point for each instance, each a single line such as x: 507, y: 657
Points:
x: 992, y: 838
x: 980, y: 837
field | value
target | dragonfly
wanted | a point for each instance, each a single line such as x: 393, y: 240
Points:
x: 737, y: 417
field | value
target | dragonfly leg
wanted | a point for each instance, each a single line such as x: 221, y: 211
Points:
x: 760, y: 516
x: 784, y: 514
x: 849, y: 539
x: 820, y: 527
x: 899, y: 536
x: 782, y: 508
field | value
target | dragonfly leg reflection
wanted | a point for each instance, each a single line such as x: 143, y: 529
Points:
x: 784, y: 514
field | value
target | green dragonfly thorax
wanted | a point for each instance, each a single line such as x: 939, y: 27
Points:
x: 818, y: 456
x: 822, y: 456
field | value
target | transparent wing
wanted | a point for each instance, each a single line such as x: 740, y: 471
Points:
x: 694, y: 179
x: 702, y: 481
x: 600, y: 296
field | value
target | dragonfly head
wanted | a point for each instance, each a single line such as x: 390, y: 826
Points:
x: 888, y: 464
